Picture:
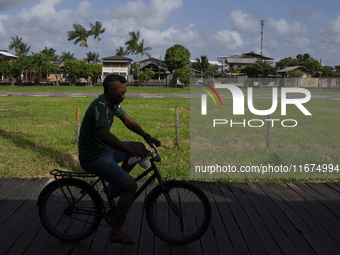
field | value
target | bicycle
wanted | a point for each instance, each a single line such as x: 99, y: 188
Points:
x: 71, y: 209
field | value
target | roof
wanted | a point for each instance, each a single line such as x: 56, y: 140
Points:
x: 242, y: 61
x: 116, y: 58
x: 5, y: 53
x: 293, y: 68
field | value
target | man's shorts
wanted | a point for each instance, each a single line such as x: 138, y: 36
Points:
x: 107, y: 168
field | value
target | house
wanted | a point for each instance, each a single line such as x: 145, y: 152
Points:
x: 5, y: 56
x: 162, y: 74
x: 117, y: 65
x: 240, y: 60
x: 306, y: 72
x: 337, y: 69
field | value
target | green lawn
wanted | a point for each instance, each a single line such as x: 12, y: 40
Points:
x: 38, y: 134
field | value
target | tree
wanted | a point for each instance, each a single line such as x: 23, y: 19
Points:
x: 202, y: 64
x: 41, y: 64
x: 143, y: 50
x: 260, y: 69
x: 23, y: 49
x: 80, y: 69
x: 80, y: 35
x: 286, y: 62
x: 146, y: 75
x: 97, y: 30
x: 10, y: 69
x: 121, y: 51
x: 183, y: 75
x: 132, y: 44
x: 15, y: 44
x: 177, y: 57
x: 50, y: 53
x: 304, y: 60
x: 92, y: 57
x: 66, y: 56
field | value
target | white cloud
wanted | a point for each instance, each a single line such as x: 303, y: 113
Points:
x: 283, y: 28
x: 332, y: 31
x: 243, y: 22
x: 137, y: 14
x: 230, y: 40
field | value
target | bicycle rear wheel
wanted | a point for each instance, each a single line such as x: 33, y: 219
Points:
x: 186, y: 220
x: 70, y: 209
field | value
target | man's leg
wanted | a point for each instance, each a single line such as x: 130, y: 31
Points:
x: 126, y: 166
x: 123, y: 207
x: 124, y: 204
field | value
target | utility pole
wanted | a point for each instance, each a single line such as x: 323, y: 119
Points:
x: 262, y: 23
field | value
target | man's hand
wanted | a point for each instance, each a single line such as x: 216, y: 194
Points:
x: 150, y: 140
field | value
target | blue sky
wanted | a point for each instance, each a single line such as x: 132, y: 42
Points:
x: 213, y: 28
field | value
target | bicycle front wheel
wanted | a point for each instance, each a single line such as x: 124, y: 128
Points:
x: 179, y: 214
x: 70, y: 209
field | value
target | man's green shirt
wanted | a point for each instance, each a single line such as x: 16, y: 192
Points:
x: 99, y: 114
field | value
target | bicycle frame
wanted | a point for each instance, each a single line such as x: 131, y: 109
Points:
x: 156, y: 175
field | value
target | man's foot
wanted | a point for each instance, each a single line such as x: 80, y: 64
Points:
x: 125, y: 239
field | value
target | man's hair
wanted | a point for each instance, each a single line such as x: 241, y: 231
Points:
x: 109, y: 79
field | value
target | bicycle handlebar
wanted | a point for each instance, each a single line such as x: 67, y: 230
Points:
x: 158, y: 157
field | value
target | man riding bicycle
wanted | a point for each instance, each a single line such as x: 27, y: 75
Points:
x: 100, y: 151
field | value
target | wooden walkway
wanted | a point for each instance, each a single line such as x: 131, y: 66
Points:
x: 248, y: 218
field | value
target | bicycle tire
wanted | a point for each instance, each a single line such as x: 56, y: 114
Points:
x: 195, y: 212
x: 70, y: 223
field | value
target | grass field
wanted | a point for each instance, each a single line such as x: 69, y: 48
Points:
x: 38, y: 134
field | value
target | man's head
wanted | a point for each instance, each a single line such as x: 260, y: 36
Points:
x: 115, y: 88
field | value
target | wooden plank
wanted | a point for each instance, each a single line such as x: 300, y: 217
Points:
x: 333, y: 186
x: 17, y: 215
x: 253, y: 241
x: 237, y: 240
x: 27, y: 212
x: 10, y: 187
x: 320, y: 197
x: 256, y: 221
x: 326, y: 191
x: 18, y: 198
x: 222, y: 239
x: 146, y: 239
x: 327, y: 244
x: 298, y: 222
x: 207, y: 240
x: 292, y: 233
x: 274, y: 228
x: 316, y: 210
x: 325, y: 211
x: 135, y: 221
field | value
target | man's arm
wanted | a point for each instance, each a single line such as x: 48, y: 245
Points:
x: 134, y: 127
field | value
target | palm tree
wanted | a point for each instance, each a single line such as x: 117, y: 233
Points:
x: 121, y: 51
x: 93, y: 56
x: 15, y: 44
x: 96, y: 30
x: 66, y: 56
x: 23, y: 50
x: 202, y: 64
x: 143, y: 51
x: 132, y: 44
x: 80, y: 35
